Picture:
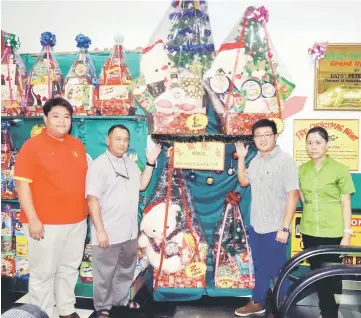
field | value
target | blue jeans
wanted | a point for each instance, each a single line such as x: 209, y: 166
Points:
x: 268, y: 258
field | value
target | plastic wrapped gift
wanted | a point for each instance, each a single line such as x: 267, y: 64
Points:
x: 179, y: 255
x: 81, y: 80
x: 231, y: 251
x: 13, y: 76
x: 114, y: 97
x: 8, y: 156
x: 245, y: 81
x: 170, y: 87
x: 45, y: 80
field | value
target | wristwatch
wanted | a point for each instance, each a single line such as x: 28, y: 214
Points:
x: 349, y: 231
x: 151, y: 164
x: 285, y: 229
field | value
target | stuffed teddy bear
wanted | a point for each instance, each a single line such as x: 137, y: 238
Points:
x: 152, y: 226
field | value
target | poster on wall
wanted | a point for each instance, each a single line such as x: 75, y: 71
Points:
x: 297, y: 244
x: 338, y: 78
x: 343, y: 137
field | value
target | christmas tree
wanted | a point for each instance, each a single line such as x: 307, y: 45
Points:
x: 251, y: 31
x: 190, y: 40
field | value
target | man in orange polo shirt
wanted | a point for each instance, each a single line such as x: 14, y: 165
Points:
x: 50, y: 173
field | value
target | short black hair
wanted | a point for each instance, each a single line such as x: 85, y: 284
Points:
x: 120, y: 126
x: 321, y: 131
x: 58, y: 101
x: 265, y: 123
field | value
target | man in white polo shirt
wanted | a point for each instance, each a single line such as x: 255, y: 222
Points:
x: 112, y: 187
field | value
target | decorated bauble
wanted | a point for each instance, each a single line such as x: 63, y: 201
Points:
x: 218, y: 171
x: 235, y: 156
x: 210, y: 180
x: 231, y: 171
x: 192, y: 176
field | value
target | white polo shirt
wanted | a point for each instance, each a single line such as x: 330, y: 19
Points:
x: 118, y: 196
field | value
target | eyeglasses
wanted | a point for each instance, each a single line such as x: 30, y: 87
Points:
x: 117, y: 174
x: 265, y: 136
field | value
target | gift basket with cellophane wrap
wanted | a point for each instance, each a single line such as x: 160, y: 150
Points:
x: 13, y: 76
x: 170, y: 87
x: 114, y: 97
x: 45, y: 79
x: 171, y: 234
x: 81, y: 80
x: 231, y: 251
x: 246, y: 82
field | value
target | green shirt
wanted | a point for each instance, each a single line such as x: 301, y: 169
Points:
x: 322, y: 190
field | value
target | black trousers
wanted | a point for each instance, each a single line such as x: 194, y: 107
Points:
x: 326, y: 288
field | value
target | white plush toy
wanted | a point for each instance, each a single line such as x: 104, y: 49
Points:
x: 152, y: 226
x: 226, y: 60
x: 155, y: 64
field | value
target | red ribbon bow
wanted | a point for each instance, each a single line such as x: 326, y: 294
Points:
x: 233, y: 197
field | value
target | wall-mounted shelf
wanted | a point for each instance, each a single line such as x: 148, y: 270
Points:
x: 9, y: 201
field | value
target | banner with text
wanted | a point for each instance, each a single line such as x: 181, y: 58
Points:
x: 199, y: 156
x: 343, y: 138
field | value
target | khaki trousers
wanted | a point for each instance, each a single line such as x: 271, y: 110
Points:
x: 53, y: 266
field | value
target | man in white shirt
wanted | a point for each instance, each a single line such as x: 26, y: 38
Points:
x: 112, y: 187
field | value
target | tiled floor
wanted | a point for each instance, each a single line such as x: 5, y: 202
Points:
x: 205, y: 308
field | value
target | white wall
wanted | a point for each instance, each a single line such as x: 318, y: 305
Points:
x: 294, y: 26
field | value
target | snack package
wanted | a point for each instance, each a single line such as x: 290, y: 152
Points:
x: 231, y: 250
x: 8, y: 156
x: 6, y: 221
x: 22, y: 267
x: 114, y: 97
x: 7, y: 266
x: 142, y: 264
x: 13, y: 76
x: 245, y: 81
x: 86, y: 271
x: 21, y: 246
x: 181, y: 262
x: 172, y: 65
x: 7, y: 246
x: 45, y: 79
x: 81, y: 80
x: 17, y: 225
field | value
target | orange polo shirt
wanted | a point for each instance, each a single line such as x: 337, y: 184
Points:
x: 56, y: 171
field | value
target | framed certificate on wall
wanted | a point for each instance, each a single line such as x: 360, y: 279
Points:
x: 338, y: 78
